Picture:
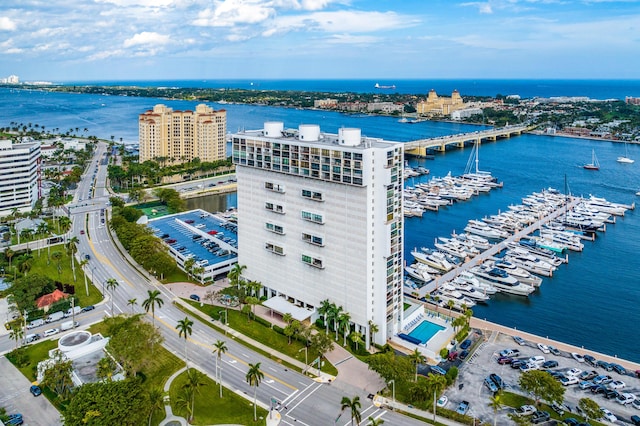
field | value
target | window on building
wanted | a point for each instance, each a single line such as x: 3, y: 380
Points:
x: 274, y: 187
x: 312, y: 195
x: 277, y: 229
x: 274, y: 249
x: 313, y: 239
x: 312, y: 217
x: 312, y: 261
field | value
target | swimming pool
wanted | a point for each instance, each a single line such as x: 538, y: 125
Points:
x: 425, y: 331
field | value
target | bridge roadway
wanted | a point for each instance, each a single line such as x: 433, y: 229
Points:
x: 497, y: 248
x: 419, y: 147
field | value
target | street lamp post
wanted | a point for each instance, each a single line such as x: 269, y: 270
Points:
x: 306, y: 362
x: 226, y: 319
x: 393, y: 392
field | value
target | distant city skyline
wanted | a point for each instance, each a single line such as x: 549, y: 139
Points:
x: 74, y: 40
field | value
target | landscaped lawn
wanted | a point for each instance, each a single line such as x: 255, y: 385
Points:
x: 263, y: 334
x: 210, y: 409
x: 34, y: 353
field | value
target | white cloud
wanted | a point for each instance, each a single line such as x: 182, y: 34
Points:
x: 351, y: 39
x: 145, y: 3
x: 6, y: 24
x: 228, y: 13
x: 483, y: 7
x: 147, y: 38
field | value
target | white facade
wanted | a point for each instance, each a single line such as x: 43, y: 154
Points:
x: 19, y: 176
x: 465, y: 113
x: 320, y: 218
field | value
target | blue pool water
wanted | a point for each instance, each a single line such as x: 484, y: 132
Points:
x: 425, y: 331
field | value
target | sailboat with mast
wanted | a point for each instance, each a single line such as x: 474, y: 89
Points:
x: 472, y: 172
x: 594, y: 164
x: 626, y: 158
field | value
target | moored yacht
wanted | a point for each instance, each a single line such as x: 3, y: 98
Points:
x: 501, y: 280
x: 530, y: 263
x: 468, y: 290
x: 468, y: 278
x: 521, y: 274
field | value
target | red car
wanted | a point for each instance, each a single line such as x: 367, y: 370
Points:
x: 452, y: 356
x: 505, y: 360
x: 82, y: 232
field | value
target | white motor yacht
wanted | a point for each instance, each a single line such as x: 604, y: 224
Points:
x: 484, y: 230
x: 468, y: 290
x: 521, y: 274
x: 435, y: 259
x: 530, y: 263
x: 477, y: 241
x: 418, y: 274
x: 500, y: 279
x: 466, y: 277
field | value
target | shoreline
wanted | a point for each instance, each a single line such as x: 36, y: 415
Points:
x: 590, y: 138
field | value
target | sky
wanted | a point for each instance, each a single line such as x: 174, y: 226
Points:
x: 92, y: 40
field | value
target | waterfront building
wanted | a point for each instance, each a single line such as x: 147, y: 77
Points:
x: 465, y: 113
x: 437, y: 105
x: 385, y: 107
x: 180, y: 136
x: 20, y: 183
x: 320, y: 218
x: 325, y: 103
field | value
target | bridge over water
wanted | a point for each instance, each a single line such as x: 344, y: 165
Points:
x: 419, y: 147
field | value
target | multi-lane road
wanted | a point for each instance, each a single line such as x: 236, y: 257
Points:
x: 302, y: 401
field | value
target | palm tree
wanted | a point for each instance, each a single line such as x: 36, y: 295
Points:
x: 343, y: 320
x: 111, y: 285
x: 375, y: 422
x: 254, y: 377
x: 151, y: 302
x: 195, y: 380
x: 437, y: 300
x: 436, y: 383
x: 354, y: 406
x: 450, y: 305
x: 220, y: 348
x: 323, y: 310
x: 8, y: 253
x: 16, y: 334
x: 83, y: 263
x: 235, y: 274
x: 356, y: 337
x: 72, y: 248
x: 417, y: 358
x: 56, y: 255
x: 496, y: 404
x: 373, y: 329
x: 185, y: 329
x: 132, y: 302
x: 334, y: 314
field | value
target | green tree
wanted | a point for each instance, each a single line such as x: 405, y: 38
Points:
x: 156, y: 401
x: 254, y: 377
x: 16, y: 334
x: 321, y: 344
x: 185, y: 329
x: 323, y: 310
x: 106, y: 368
x: 374, y: 421
x: 130, y: 341
x: 188, y: 265
x: 132, y: 302
x: 220, y: 348
x: 235, y: 275
x: 353, y: 405
x: 343, y: 321
x: 72, y: 248
x: 356, y: 337
x: 58, y: 376
x: 111, y: 285
x: 83, y: 263
x: 417, y: 358
x: 541, y: 385
x: 195, y: 380
x: 122, y: 403
x: 373, y: 329
x: 57, y: 255
x: 496, y: 404
x: 590, y: 408
x: 151, y: 302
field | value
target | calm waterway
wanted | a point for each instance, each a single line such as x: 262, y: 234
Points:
x: 592, y: 301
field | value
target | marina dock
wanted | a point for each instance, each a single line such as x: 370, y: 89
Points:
x: 497, y: 248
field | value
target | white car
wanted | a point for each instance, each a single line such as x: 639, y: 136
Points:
x: 608, y: 415
x: 636, y: 404
x: 574, y: 372
x: 616, y: 384
x: 543, y: 348
x: 442, y: 401
x: 569, y: 380
x: 51, y: 332
x: 577, y: 357
x: 526, y: 410
x: 626, y: 398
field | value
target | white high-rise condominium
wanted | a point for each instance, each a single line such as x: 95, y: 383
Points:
x: 320, y: 218
x: 19, y: 176
x: 169, y: 136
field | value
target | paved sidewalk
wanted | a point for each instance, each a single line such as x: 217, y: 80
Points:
x: 170, y: 419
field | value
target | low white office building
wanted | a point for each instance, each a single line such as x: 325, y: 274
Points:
x: 19, y: 176
x: 320, y: 218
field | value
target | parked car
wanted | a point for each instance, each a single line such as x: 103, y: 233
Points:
x: 88, y: 308
x: 617, y: 384
x: 571, y: 421
x: 635, y: 420
x: 438, y: 370
x: 608, y: 415
x: 611, y: 394
x: 497, y: 380
x: 463, y: 355
x: 574, y: 372
x: 442, y: 401
x: 585, y: 384
x: 490, y: 385
x: 618, y: 369
x: 35, y: 390
x: 452, y: 356
x: 598, y: 389
x: 519, y: 340
x: 505, y: 360
x: 528, y: 366
x: 569, y: 380
x: 605, y: 365
x: 517, y: 363
x: 636, y: 404
x: 558, y: 408
x: 554, y: 350
x: 194, y: 297
x: 577, y: 356
x: 552, y: 363
x: 463, y: 407
x: 466, y: 344
x: 590, y: 360
x: 525, y: 410
x: 543, y: 348
x: 510, y: 352
x: 540, y: 417
x: 32, y: 337
x: 51, y: 332
x: 626, y: 398
x: 588, y: 375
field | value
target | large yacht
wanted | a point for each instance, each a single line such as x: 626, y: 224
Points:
x: 501, y: 280
x: 519, y: 273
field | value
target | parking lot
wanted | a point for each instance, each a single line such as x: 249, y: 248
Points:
x: 483, y: 362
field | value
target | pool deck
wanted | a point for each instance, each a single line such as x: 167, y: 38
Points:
x: 433, y: 346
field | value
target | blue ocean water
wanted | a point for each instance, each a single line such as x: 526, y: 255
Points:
x: 592, y: 301
x: 595, y: 89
